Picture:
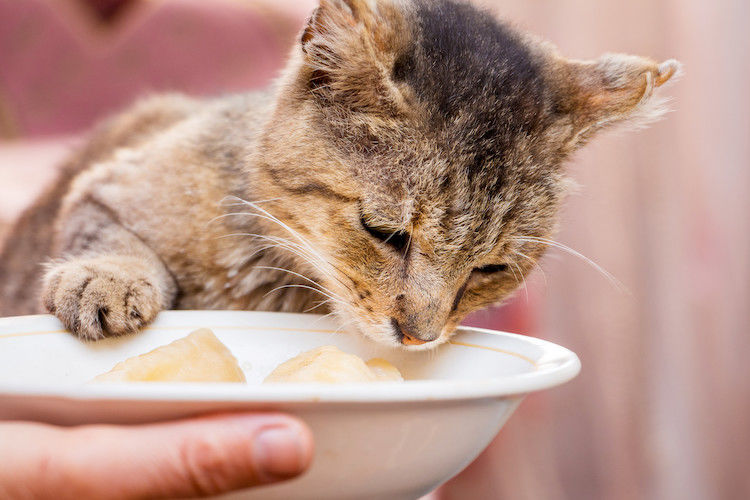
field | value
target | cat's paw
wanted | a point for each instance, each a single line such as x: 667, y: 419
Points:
x: 102, y: 296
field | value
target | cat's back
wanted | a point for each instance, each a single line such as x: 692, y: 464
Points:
x: 29, y: 243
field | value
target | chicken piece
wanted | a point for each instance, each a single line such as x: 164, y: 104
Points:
x: 199, y: 357
x: 329, y: 364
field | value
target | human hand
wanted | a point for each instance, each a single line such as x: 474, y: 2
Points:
x: 187, y: 458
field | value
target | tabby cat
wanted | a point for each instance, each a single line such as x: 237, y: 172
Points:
x: 404, y: 171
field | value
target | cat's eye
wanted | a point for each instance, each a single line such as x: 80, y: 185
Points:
x: 396, y: 239
x: 491, y: 269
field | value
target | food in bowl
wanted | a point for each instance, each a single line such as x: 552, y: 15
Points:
x: 199, y: 357
x: 384, y: 371
x: 329, y: 364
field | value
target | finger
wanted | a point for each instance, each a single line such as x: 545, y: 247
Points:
x: 198, y: 457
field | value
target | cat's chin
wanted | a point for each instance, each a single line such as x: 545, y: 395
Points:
x: 428, y: 346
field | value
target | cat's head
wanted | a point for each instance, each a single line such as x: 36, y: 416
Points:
x: 416, y: 146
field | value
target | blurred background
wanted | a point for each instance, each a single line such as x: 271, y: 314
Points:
x: 661, y: 409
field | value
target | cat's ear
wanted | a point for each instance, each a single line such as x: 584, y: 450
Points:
x: 615, y: 89
x: 347, y: 46
x: 331, y: 18
x: 333, y: 27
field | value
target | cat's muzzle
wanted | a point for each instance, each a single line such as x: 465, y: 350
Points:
x: 405, y: 336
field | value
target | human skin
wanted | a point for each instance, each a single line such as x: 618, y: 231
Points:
x: 195, y: 457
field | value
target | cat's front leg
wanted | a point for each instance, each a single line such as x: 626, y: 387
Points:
x: 110, y: 282
x: 104, y: 296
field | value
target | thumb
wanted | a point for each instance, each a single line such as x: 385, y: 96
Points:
x: 196, y: 457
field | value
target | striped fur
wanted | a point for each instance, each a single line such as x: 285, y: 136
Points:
x: 402, y: 172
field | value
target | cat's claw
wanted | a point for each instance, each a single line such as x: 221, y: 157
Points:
x: 102, y: 296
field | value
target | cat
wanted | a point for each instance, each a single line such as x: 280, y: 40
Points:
x: 405, y: 170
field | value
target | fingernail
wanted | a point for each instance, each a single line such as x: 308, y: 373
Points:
x: 279, y: 453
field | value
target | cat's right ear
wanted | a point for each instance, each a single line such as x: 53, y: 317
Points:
x: 348, y: 48
x: 333, y: 27
x: 330, y: 18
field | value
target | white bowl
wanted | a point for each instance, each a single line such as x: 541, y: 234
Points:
x: 379, y: 440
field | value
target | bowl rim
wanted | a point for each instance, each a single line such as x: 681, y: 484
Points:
x: 555, y: 366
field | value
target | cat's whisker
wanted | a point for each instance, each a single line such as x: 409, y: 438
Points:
x: 283, y: 243
x: 262, y: 248
x: 283, y: 225
x: 319, y: 304
x: 523, y: 279
x: 342, y: 324
x: 310, y: 280
x: 574, y: 253
x: 310, y: 259
x: 408, y: 243
x: 306, y: 287
x: 239, y: 201
x: 514, y: 275
x: 262, y: 216
x: 310, y: 249
x: 283, y: 247
x: 322, y: 318
x: 306, y: 278
x: 250, y: 214
x: 533, y: 263
x: 307, y: 247
x: 304, y: 250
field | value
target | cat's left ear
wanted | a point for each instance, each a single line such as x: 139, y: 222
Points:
x: 615, y: 89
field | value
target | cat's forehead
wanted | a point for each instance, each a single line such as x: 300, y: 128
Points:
x: 484, y: 96
x: 474, y: 74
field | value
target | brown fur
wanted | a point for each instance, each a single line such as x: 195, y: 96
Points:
x: 402, y: 169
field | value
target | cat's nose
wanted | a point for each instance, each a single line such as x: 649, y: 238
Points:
x: 405, y: 336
